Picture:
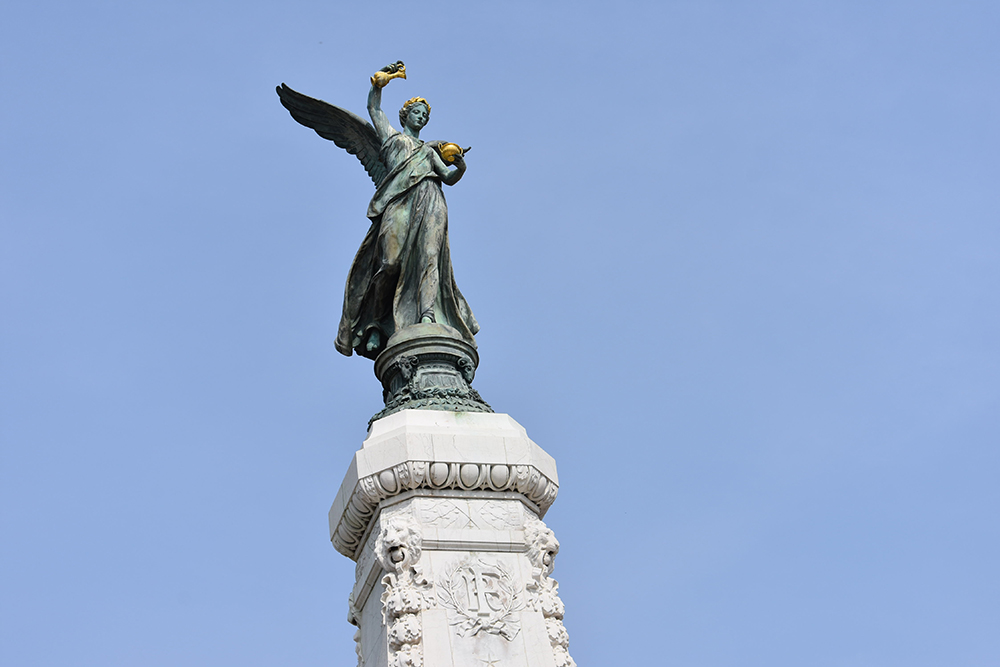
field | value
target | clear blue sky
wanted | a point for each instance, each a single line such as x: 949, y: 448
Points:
x: 737, y: 267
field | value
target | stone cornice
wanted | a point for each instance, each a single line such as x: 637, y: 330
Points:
x: 436, y: 450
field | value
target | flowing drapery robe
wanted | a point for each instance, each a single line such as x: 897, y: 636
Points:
x: 402, y: 272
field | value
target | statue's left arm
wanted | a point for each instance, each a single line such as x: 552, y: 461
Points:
x: 449, y: 176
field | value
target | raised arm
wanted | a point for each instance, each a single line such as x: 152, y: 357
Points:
x: 379, y: 119
x: 396, y: 70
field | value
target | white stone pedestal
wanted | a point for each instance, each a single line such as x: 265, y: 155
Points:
x: 442, y: 513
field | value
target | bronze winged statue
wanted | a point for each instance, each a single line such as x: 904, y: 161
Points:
x: 401, y: 275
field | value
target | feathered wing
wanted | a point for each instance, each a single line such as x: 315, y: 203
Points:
x: 340, y: 126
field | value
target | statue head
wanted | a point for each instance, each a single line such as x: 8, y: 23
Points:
x: 415, y: 113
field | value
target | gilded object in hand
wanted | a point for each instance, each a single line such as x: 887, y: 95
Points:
x: 396, y: 70
x: 450, y: 151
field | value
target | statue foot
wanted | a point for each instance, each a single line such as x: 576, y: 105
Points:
x: 427, y: 319
x: 374, y: 341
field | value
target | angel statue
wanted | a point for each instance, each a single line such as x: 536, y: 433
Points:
x: 402, y: 273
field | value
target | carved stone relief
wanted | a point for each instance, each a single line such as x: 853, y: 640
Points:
x: 500, y: 515
x: 447, y: 514
x: 544, y: 591
x: 465, y: 513
x: 354, y: 618
x: 407, y: 591
x: 481, y: 596
x: 365, y: 559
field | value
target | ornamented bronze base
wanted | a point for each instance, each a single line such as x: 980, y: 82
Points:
x: 428, y: 367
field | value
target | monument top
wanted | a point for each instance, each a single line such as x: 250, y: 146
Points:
x: 402, y: 274
x: 402, y: 306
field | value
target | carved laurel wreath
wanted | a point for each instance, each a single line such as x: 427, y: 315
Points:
x: 501, y: 622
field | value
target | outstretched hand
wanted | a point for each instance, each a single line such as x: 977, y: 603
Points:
x: 388, y: 73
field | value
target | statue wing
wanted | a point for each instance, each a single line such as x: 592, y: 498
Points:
x: 340, y: 126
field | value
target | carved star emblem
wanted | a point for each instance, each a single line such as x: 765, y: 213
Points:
x: 489, y: 661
